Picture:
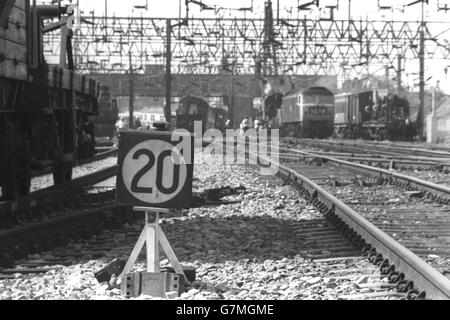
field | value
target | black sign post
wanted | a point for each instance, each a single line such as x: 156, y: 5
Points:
x: 154, y: 176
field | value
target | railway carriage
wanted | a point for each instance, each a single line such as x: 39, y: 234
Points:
x: 44, y: 111
x: 350, y: 113
x: 308, y: 113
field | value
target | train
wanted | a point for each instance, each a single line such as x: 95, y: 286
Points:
x: 369, y: 115
x: 308, y: 113
x: 45, y: 110
x: 195, y: 109
x: 316, y: 112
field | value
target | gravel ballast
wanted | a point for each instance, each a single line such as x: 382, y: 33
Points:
x: 245, y: 250
x: 46, y: 181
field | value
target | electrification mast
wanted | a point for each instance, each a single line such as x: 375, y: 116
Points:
x: 270, y: 67
x: 269, y: 59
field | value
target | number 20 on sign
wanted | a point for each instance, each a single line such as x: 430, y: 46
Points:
x: 155, y: 171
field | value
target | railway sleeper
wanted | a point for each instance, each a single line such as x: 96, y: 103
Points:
x: 440, y: 198
x: 85, y: 229
x: 6, y: 222
x: 10, y: 219
x: 394, y: 277
x: 6, y: 258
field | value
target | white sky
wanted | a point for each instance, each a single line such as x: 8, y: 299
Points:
x: 359, y: 8
x: 288, y: 9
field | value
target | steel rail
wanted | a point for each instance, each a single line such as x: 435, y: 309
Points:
x: 380, y: 156
x: 100, y: 156
x: 388, y: 150
x: 389, y: 162
x: 49, y: 195
x: 430, y: 187
x: 410, y: 145
x: 97, y: 157
x: 436, y: 285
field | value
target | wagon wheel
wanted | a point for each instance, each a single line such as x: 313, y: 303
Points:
x: 15, y: 186
x: 384, y: 134
x: 299, y: 131
x: 17, y: 180
x: 283, y: 131
x: 348, y: 133
x: 335, y: 133
x: 62, y: 172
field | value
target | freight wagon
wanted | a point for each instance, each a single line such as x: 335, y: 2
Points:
x: 44, y: 111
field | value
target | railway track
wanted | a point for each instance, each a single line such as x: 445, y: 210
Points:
x: 54, y: 194
x: 410, y: 145
x: 391, y: 163
x: 426, y: 168
x: 55, y: 215
x: 399, y: 222
x: 101, y: 155
x: 284, y: 255
x: 399, y: 235
x: 378, y: 150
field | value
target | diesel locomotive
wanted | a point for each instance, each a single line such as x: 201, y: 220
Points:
x: 308, y: 113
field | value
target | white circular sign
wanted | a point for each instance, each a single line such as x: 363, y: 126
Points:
x: 154, y: 171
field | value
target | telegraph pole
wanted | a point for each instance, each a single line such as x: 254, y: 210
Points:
x: 232, y: 102
x: 106, y: 18
x: 388, y: 79
x: 399, y: 75
x: 278, y: 12
x: 349, y: 10
x: 433, y: 102
x: 421, y: 115
x: 167, y: 109
x: 269, y: 63
x: 131, y: 107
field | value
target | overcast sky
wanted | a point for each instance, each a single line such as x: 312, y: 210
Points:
x: 359, y: 8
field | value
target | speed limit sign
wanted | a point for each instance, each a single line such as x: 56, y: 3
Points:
x: 155, y: 171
